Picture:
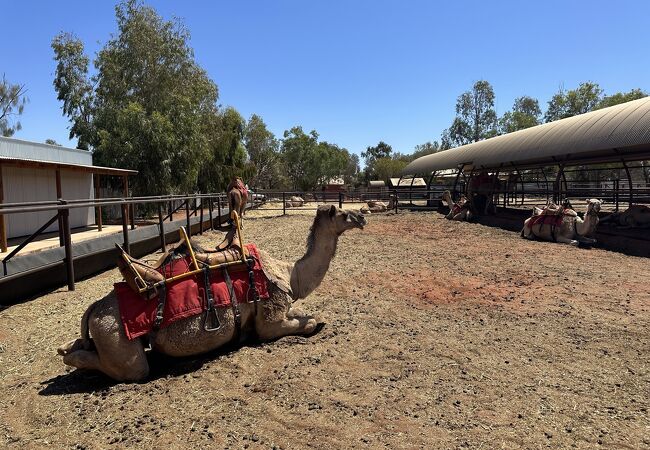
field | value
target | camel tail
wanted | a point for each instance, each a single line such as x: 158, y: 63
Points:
x: 85, y: 332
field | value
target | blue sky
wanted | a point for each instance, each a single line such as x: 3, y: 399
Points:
x: 356, y: 71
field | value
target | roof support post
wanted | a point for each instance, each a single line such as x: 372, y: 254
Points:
x: 98, y: 209
x: 3, y: 227
x: 460, y: 171
x: 557, y: 188
x: 545, y: 182
x: 59, y: 196
x: 629, y: 178
x: 429, y: 193
x: 125, y: 187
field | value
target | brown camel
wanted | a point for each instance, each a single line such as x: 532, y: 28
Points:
x: 125, y: 360
x: 571, y: 230
x: 294, y: 202
x: 636, y: 216
x: 237, y: 197
x: 374, y: 207
x: 459, y: 210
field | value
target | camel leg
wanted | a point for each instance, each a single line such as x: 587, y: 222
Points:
x: 566, y: 240
x: 295, y: 323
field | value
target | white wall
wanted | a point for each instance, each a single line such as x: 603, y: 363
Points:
x: 28, y: 185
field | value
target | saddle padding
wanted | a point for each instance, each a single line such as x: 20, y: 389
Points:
x: 186, y: 298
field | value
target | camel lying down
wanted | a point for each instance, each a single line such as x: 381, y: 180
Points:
x: 636, y: 216
x: 564, y: 225
x: 111, y: 352
x: 460, y: 210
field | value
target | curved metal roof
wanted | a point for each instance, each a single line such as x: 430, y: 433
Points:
x: 597, y: 136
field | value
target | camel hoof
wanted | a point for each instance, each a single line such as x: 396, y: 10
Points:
x: 317, y: 329
x: 70, y: 347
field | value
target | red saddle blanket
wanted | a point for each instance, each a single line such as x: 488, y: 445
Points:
x: 546, y: 219
x: 186, y: 298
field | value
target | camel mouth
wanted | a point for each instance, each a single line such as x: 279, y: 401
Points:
x: 359, y: 220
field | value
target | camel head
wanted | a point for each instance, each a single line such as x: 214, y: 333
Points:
x: 339, y: 220
x: 593, y: 205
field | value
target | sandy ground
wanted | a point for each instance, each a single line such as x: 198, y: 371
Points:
x: 438, y: 335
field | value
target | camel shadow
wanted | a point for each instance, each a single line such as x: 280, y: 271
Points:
x: 160, y: 366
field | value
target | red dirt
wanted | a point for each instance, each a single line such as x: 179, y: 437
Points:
x: 438, y: 335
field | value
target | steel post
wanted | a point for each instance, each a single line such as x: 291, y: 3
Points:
x: 161, y: 225
x: 125, y: 228
x: 69, y: 260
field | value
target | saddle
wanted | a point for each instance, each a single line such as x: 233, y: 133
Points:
x: 142, y: 276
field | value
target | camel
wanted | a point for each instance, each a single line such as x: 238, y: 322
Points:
x: 636, y: 216
x: 458, y: 211
x: 237, y: 197
x: 374, y: 206
x: 110, y: 352
x: 294, y: 202
x: 480, y: 192
x: 571, y: 230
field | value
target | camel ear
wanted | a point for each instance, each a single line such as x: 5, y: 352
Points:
x: 332, y: 211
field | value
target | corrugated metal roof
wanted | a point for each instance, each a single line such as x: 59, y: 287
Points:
x: 589, y: 136
x: 37, y: 163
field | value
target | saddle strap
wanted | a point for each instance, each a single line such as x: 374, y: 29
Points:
x: 162, y: 297
x: 211, y: 320
x: 233, y: 303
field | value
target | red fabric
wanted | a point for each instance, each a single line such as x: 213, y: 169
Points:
x: 186, y: 297
x: 546, y: 219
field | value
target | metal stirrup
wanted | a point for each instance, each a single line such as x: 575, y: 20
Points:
x: 211, y: 320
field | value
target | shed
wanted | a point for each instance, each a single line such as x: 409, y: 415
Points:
x: 31, y: 172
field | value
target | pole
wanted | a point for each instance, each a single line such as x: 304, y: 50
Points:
x: 132, y: 215
x: 125, y: 228
x: 161, y: 224
x: 98, y: 210
x: 201, y: 218
x: 187, y: 216
x: 219, y: 209
x: 3, y: 228
x: 210, y: 213
x: 340, y: 200
x: 284, y: 203
x: 59, y: 196
x: 69, y: 262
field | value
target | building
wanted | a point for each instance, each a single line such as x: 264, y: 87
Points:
x: 31, y: 172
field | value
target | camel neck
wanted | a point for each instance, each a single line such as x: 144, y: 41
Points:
x: 309, y: 271
x: 588, y: 226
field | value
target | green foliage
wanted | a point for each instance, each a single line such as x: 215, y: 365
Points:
x: 73, y: 87
x: 52, y: 142
x: 583, y: 99
x: 263, y: 152
x: 12, y: 104
x: 425, y: 149
x: 525, y: 114
x: 620, y: 97
x: 386, y: 168
x: 310, y: 163
x: 153, y: 109
x: 475, y: 119
x: 372, y: 154
x: 227, y: 155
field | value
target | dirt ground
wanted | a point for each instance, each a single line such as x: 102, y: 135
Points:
x: 437, y: 335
